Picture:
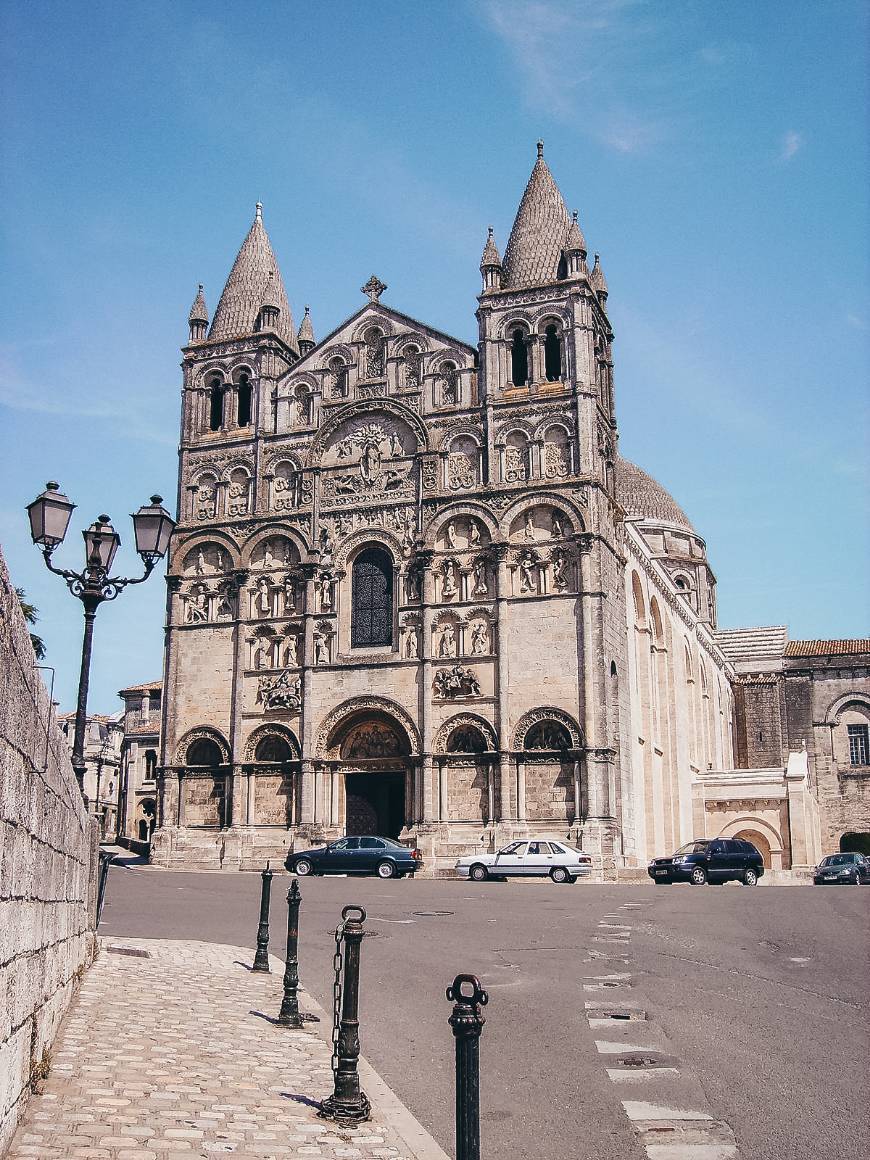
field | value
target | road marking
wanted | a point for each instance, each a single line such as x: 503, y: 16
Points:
x: 639, y: 1110
x: 642, y: 1074
x: 691, y: 1151
x: 798, y: 960
x: 607, y: 1047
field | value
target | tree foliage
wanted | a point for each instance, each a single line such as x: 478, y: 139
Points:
x: 31, y: 615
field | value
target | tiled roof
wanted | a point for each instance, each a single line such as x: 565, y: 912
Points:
x: 824, y: 648
x: 743, y: 644
x: 141, y: 688
x: 136, y: 730
x: 644, y: 498
x: 539, y: 231
x: 599, y: 282
x: 240, y: 302
x: 306, y: 330
x: 490, y: 255
x: 199, y: 310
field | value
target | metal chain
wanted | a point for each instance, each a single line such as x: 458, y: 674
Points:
x: 336, y: 996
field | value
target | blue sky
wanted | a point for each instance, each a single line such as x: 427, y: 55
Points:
x: 717, y: 154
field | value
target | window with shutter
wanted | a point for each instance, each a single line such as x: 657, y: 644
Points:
x: 372, y: 599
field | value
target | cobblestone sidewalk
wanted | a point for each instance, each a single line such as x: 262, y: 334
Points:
x: 165, y: 1056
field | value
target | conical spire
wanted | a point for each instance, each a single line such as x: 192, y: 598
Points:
x: 270, y: 294
x: 575, y: 242
x: 537, y: 239
x: 490, y: 256
x: 306, y: 333
x: 199, y: 310
x: 599, y: 282
x: 243, y: 296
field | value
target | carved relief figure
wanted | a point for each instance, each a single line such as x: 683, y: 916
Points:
x: 448, y: 584
x: 460, y: 471
x: 206, y: 499
x: 262, y: 600
x: 456, y: 682
x: 529, y: 529
x: 447, y: 641
x: 324, y: 585
x: 225, y: 605
x: 527, y: 573
x: 560, y: 571
x: 289, y: 595
x: 372, y: 741
x: 412, y: 645
x: 481, y: 588
x: 321, y: 648
x: 281, y: 692
x: 196, y: 605
x: 291, y: 651
x: 480, y: 640
x: 451, y: 535
x: 556, y: 526
x: 474, y: 533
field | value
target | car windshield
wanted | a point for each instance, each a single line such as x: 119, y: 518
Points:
x: 839, y: 860
x: 693, y: 848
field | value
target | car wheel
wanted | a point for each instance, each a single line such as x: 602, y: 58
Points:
x: 560, y: 874
x: 699, y: 876
x: 750, y: 877
x: 303, y: 867
x: 478, y: 873
x: 386, y: 870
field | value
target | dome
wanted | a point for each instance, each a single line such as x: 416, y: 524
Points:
x: 644, y: 498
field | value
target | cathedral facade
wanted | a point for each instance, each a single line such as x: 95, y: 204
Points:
x: 415, y: 591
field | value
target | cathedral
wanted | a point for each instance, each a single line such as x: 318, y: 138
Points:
x: 415, y: 591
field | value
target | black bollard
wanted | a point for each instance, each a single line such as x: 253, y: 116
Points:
x: 347, y: 1105
x: 289, y: 1014
x: 467, y: 1022
x: 261, y: 958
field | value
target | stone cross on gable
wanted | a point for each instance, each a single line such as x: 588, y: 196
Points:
x: 374, y: 288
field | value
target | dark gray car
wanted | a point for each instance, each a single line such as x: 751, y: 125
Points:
x: 842, y: 870
x: 713, y: 860
x: 358, y: 855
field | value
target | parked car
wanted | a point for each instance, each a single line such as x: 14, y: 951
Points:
x: 712, y: 860
x: 535, y: 859
x: 359, y: 855
x: 842, y: 870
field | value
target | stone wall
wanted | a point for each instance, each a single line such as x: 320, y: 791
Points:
x: 48, y: 861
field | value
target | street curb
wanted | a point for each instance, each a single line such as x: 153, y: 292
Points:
x: 420, y: 1145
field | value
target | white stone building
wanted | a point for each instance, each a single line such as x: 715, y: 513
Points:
x: 415, y: 590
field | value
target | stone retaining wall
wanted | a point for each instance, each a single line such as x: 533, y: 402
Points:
x: 48, y: 870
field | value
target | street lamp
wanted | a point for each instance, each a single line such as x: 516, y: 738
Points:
x: 49, y: 519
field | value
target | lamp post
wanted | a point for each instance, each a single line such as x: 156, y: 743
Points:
x: 49, y: 519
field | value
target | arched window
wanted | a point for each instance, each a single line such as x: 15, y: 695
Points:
x: 374, y: 340
x: 273, y: 748
x: 204, y: 752
x: 449, y: 385
x: 552, y: 355
x: 244, y: 401
x: 338, y: 374
x: 150, y: 764
x: 216, y: 405
x: 371, y: 618
x: 519, y: 359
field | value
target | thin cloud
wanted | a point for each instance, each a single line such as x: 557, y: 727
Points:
x: 792, y: 143
x: 856, y: 321
x: 633, y: 87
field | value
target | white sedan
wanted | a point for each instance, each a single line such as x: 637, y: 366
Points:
x: 535, y: 859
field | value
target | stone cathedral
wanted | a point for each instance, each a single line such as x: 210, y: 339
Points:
x: 414, y: 590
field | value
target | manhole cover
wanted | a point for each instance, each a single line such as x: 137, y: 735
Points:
x: 134, y: 952
x: 432, y: 913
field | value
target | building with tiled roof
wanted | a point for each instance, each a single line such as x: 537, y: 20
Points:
x: 827, y: 648
x: 137, y: 805
x: 416, y: 591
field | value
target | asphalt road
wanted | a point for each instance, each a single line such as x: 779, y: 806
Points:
x: 762, y: 994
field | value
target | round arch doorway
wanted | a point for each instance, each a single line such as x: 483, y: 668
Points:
x: 373, y: 752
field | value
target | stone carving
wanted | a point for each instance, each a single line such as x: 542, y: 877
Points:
x: 456, y: 682
x: 276, y: 552
x: 374, y: 353
x: 374, y: 288
x: 515, y: 463
x: 556, y: 525
x: 480, y: 586
x: 556, y: 461
x: 410, y: 642
x: 545, y: 714
x: 205, y: 560
x: 413, y: 582
x: 374, y: 740
x: 449, y: 385
x: 548, y: 735
x: 560, y: 569
x: 447, y: 640
x: 461, y: 471
x: 262, y: 600
x: 372, y: 443
x: 196, y: 605
x: 262, y: 650
x: 528, y: 579
x: 206, y: 499
x: 283, y: 489
x: 448, y: 579
x: 291, y: 650
x: 239, y: 494
x: 479, y: 640
x: 322, y: 644
x: 392, y: 519
x: 412, y: 361
x: 323, y: 586
x: 281, y: 692
x: 430, y: 475
x: 225, y: 608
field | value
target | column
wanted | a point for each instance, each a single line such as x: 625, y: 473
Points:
x: 498, y: 556
x: 333, y: 797
x: 521, y: 791
x: 308, y: 773
x: 599, y: 754
x: 427, y: 594
x: 250, y: 808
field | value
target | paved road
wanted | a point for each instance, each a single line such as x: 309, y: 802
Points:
x: 758, y: 998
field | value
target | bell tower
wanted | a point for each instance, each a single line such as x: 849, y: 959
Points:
x: 545, y: 350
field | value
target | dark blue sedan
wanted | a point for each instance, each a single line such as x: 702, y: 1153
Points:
x: 363, y: 855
